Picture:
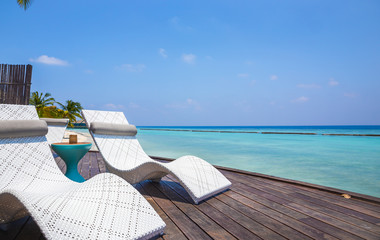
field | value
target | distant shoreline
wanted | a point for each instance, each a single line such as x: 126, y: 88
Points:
x: 226, y: 131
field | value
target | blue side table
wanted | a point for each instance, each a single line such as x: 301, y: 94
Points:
x: 71, y: 154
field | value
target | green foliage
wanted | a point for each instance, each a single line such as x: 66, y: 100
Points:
x: 46, y: 109
x: 24, y: 3
x: 71, y: 111
x: 41, y: 101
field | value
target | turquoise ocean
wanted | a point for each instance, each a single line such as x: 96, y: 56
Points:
x: 346, y: 162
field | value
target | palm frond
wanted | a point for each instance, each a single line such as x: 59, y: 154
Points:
x: 24, y: 3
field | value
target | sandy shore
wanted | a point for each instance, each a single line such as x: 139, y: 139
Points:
x: 82, y: 137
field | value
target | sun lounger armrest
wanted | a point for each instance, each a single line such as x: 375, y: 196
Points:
x: 113, y: 129
x: 56, y: 121
x: 22, y: 128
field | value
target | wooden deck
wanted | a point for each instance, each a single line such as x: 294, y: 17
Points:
x: 256, y: 207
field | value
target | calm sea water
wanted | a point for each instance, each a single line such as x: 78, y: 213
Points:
x: 346, y: 162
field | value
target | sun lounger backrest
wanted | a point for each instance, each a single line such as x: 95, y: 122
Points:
x: 118, y: 151
x: 25, y: 159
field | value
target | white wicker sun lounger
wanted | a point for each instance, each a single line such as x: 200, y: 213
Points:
x: 57, y: 128
x: 104, y: 207
x: 124, y: 156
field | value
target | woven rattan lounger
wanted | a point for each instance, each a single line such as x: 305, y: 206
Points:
x: 124, y: 156
x: 104, y: 207
x: 56, y: 129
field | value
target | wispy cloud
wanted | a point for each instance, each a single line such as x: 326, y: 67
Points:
x: 133, y: 105
x: 162, y: 52
x: 111, y: 106
x: 243, y: 75
x: 88, y: 71
x: 350, y: 95
x: 249, y: 63
x: 177, y: 24
x: 174, y: 20
x: 333, y: 82
x: 273, y: 77
x: 44, y: 59
x: 189, y: 58
x: 309, y: 86
x: 132, y: 67
x: 301, y: 100
x: 189, y: 103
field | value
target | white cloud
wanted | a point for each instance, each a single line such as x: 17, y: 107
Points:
x: 174, y: 20
x: 243, y: 75
x: 333, y: 82
x: 189, y: 103
x: 249, y: 62
x: 301, y: 99
x: 132, y: 67
x: 49, y: 60
x: 273, y: 77
x: 253, y: 82
x: 309, y: 86
x: 162, y: 52
x: 350, y: 95
x: 179, y: 26
x: 188, y: 58
x: 134, y: 105
x: 112, y: 106
x: 209, y: 58
x: 88, y: 71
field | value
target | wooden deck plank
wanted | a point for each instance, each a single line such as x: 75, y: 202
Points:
x: 271, y: 223
x: 341, y: 213
x: 171, y: 230
x: 363, y: 233
x: 61, y: 164
x: 352, y: 207
x: 102, y: 165
x: 281, y: 217
x: 202, y: 220
x: 335, y: 222
x: 94, y: 165
x: 220, y: 218
x: 253, y: 226
x: 262, y: 198
x: 355, y: 217
x: 367, y: 207
x: 187, y: 226
x: 323, y: 213
x: 303, y: 207
x: 85, y: 169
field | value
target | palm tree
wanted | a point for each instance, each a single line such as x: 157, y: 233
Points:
x: 24, y: 3
x: 71, y: 111
x: 41, y: 101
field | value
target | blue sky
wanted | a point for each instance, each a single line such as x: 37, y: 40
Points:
x: 292, y: 62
